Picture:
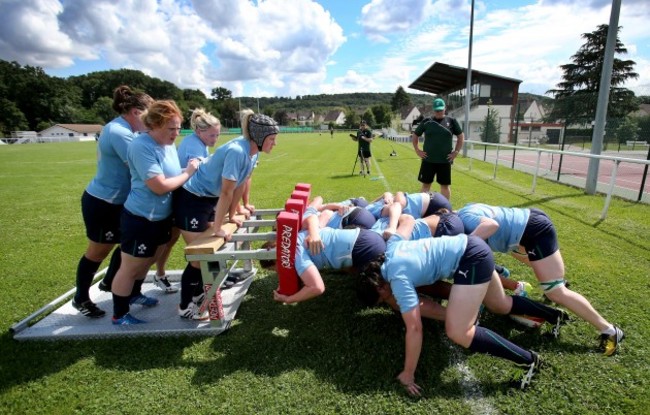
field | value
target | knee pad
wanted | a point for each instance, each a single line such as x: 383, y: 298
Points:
x: 549, y: 286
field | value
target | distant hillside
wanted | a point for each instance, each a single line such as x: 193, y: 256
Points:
x: 359, y: 101
x: 322, y: 103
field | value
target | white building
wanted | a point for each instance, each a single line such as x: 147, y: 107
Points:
x: 70, y: 132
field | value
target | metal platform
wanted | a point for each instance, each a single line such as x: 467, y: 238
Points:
x: 66, y: 323
x: 218, y: 261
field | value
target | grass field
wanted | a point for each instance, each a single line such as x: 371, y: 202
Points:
x: 328, y: 355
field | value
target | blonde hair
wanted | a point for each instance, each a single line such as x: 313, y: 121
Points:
x: 202, y: 120
x: 160, y: 112
x: 245, y: 117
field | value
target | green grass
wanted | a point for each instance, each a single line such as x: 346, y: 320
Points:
x: 328, y: 355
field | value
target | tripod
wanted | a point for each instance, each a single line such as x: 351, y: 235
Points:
x: 358, y: 156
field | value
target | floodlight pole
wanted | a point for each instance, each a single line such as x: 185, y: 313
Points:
x: 603, y: 98
x: 468, y: 91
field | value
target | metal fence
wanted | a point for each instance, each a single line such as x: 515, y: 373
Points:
x: 624, y: 177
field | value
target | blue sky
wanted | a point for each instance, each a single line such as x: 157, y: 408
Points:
x: 299, y: 47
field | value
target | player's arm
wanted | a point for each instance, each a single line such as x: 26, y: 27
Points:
x: 415, y: 140
x: 486, y: 228
x: 313, y: 287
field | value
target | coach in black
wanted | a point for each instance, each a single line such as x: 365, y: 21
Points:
x: 364, y: 137
x: 437, y: 155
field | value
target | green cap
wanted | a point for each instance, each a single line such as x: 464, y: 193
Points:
x: 438, y: 104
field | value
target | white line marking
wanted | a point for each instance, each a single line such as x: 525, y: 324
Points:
x: 275, y: 158
x: 381, y: 175
x: 470, y: 386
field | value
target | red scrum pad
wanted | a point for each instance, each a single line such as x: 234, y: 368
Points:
x: 304, y: 187
x: 288, y: 225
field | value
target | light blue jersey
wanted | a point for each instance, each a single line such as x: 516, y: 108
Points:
x: 337, y: 253
x: 512, y: 222
x: 231, y: 161
x: 148, y: 159
x: 411, y: 264
x: 112, y: 180
x: 414, y: 204
x: 420, y: 228
x: 375, y: 208
x: 191, y: 148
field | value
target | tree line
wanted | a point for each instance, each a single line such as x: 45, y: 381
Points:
x: 31, y: 100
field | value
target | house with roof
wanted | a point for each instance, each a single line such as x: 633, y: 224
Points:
x: 337, y: 117
x: 301, y: 117
x: 408, y: 115
x: 530, y: 129
x: 643, y: 111
x: 70, y: 132
x: 450, y: 83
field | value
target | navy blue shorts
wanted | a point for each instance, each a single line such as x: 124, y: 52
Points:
x: 477, y: 264
x: 359, y: 201
x: 358, y: 218
x: 437, y: 202
x: 102, y: 219
x: 450, y: 224
x: 368, y: 246
x: 192, y: 213
x: 429, y: 171
x: 141, y: 237
x: 540, y: 237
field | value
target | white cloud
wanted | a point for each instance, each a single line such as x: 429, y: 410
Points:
x: 296, y: 47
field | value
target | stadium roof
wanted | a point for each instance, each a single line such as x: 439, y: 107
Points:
x: 441, y: 78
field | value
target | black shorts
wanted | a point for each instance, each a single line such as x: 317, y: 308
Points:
x: 365, y: 153
x: 102, y: 219
x: 359, y: 201
x: 192, y: 213
x: 449, y: 224
x: 142, y: 237
x: 368, y: 246
x: 477, y: 264
x: 429, y: 171
x: 436, y: 202
x: 358, y: 218
x: 540, y: 237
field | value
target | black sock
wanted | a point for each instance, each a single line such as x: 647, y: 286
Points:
x: 191, y: 284
x: 113, y: 266
x: 523, y: 305
x: 120, y: 306
x: 137, y: 288
x: 85, y: 273
x: 488, y: 342
x: 498, y: 269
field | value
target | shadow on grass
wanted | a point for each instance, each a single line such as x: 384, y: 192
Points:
x: 49, y: 357
x: 332, y: 338
x: 537, y: 201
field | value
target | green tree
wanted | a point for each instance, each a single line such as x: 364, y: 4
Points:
x: 229, y: 113
x: 576, y: 96
x: 11, y: 118
x: 400, y: 99
x: 382, y: 113
x: 628, y: 130
x: 221, y: 94
x: 369, y: 117
x: 103, y: 108
x: 352, y: 119
x: 491, y: 128
x: 644, y: 128
x: 281, y: 117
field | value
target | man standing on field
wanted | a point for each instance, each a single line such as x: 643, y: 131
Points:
x: 437, y: 155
